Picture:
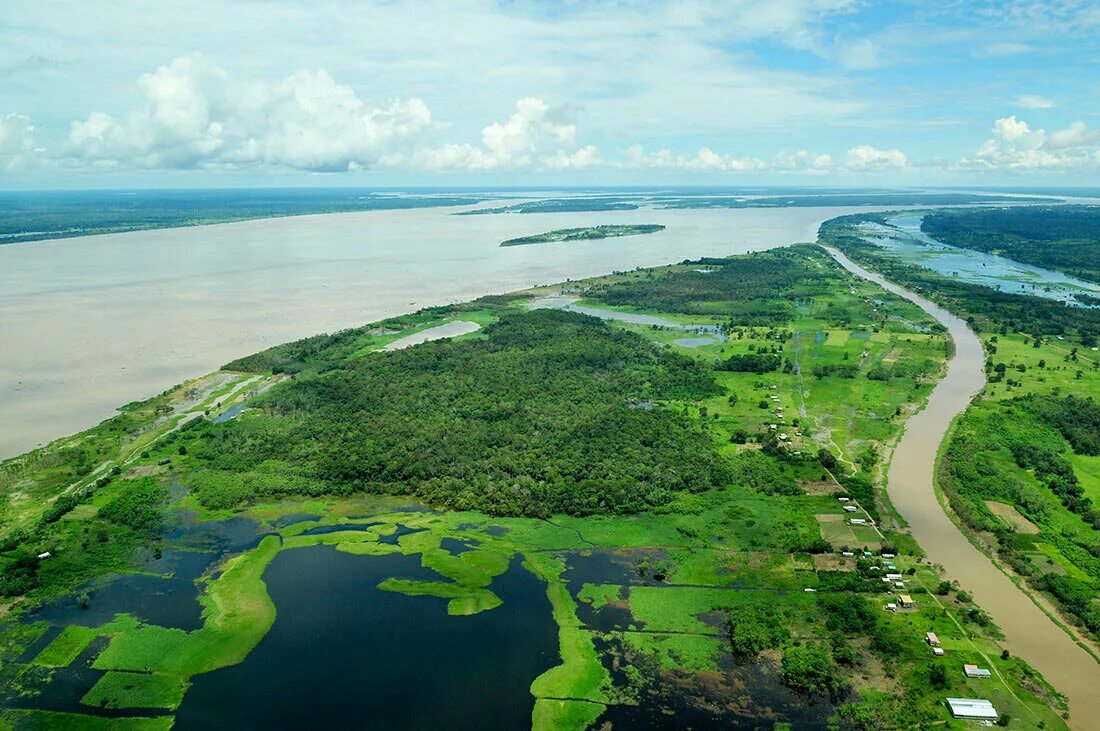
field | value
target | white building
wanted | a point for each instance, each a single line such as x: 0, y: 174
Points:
x: 976, y: 708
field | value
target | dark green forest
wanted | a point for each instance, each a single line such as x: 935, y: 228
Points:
x: 1065, y: 238
x: 538, y: 418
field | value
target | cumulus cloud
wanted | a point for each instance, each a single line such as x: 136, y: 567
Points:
x: 195, y: 115
x: 535, y: 135
x: 17, y: 148
x: 1015, y: 145
x: 865, y: 157
x: 858, y: 159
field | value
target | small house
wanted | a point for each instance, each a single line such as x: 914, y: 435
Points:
x: 891, y: 607
x: 938, y: 651
x: 850, y: 508
x: 857, y: 521
x: 931, y: 638
x: 972, y: 708
x: 973, y: 671
x: 843, y: 499
x: 887, y: 555
x: 846, y: 553
x: 905, y: 601
x: 899, y: 584
x: 44, y: 555
x: 893, y: 577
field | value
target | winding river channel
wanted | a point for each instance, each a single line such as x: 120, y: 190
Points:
x: 1029, y: 632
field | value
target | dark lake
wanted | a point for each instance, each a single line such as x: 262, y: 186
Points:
x: 343, y: 654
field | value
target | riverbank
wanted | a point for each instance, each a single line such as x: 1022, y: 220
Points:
x: 1029, y: 632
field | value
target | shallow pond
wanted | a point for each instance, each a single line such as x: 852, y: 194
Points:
x: 903, y: 237
x: 343, y: 654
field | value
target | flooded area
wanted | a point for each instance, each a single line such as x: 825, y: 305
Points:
x: 446, y: 330
x: 903, y: 238
x: 91, y: 323
x: 342, y: 650
x: 1029, y: 632
x: 569, y: 304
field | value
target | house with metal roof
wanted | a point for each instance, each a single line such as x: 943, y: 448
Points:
x: 973, y: 708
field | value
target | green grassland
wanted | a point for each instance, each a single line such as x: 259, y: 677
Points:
x: 554, y: 437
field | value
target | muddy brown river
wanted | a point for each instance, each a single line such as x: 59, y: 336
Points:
x: 1029, y: 632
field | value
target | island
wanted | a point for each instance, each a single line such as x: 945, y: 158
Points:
x: 590, y: 232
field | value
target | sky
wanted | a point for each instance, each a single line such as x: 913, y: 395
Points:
x: 212, y: 93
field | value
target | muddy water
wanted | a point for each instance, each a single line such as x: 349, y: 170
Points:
x: 1029, y: 632
x: 91, y: 323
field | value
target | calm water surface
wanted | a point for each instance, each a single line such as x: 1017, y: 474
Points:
x: 902, y: 236
x: 344, y: 655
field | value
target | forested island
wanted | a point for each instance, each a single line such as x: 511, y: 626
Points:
x: 585, y: 233
x: 695, y: 499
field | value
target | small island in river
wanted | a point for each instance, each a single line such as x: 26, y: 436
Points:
x: 585, y: 233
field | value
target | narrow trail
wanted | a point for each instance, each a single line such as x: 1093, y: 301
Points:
x: 1029, y: 632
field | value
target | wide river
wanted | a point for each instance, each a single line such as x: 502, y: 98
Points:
x: 1028, y: 631
x: 88, y: 324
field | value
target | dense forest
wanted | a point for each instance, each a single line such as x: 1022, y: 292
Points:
x: 755, y: 290
x: 1065, y: 238
x: 537, y: 418
x: 1018, y: 453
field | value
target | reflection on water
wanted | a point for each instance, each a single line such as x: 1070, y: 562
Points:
x: 902, y: 236
x: 343, y: 654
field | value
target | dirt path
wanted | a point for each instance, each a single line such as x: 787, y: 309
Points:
x: 1029, y: 632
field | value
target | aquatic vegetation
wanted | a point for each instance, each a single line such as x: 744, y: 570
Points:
x: 65, y: 648
x: 136, y: 690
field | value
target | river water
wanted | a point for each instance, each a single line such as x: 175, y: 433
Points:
x: 903, y: 238
x: 1029, y: 632
x: 88, y: 324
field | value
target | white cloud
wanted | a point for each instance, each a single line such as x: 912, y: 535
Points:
x: 17, y: 148
x: 861, y: 55
x: 1030, y: 101
x: 536, y: 135
x: 865, y: 157
x: 196, y: 116
x: 1016, y: 146
x: 1000, y: 50
x: 1011, y: 129
x: 1076, y: 135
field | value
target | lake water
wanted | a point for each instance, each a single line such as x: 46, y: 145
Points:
x: 91, y: 323
x: 902, y: 236
x: 343, y: 654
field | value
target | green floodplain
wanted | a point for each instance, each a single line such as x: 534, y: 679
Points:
x: 706, y: 461
x: 1021, y: 468
x: 607, y: 231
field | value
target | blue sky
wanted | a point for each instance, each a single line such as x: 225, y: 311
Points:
x: 473, y: 92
